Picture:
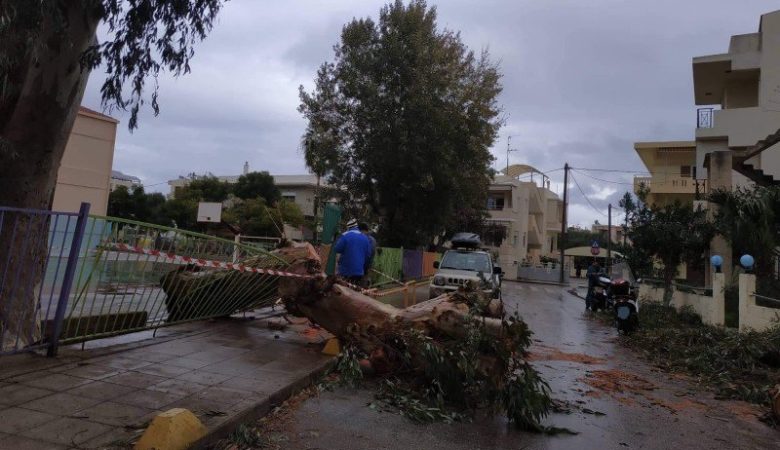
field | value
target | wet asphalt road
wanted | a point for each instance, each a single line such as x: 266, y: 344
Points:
x: 649, y: 409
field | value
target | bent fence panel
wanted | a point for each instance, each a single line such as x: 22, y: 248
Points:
x: 127, y: 276
x: 34, y: 253
x: 135, y: 276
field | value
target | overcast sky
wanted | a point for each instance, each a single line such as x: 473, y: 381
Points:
x: 582, y: 81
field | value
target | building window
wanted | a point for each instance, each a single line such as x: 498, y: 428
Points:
x: 494, y: 234
x: 685, y: 171
x: 495, y: 203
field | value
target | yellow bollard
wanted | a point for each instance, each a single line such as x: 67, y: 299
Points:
x: 175, y: 429
x: 332, y: 347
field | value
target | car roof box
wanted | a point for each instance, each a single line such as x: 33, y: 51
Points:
x: 466, y: 240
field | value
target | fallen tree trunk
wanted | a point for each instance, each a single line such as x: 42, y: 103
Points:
x: 448, y: 349
x: 457, y: 351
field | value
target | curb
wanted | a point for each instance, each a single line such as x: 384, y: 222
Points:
x: 548, y: 283
x: 262, y: 407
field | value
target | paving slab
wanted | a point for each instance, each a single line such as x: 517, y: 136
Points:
x: 102, y: 396
x: 66, y: 431
x: 22, y: 443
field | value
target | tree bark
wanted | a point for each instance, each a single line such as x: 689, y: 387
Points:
x: 367, y: 322
x: 35, y: 124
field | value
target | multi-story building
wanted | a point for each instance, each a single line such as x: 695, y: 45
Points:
x: 300, y: 189
x: 529, y: 216
x: 741, y: 89
x: 615, y: 233
x: 85, y: 169
x: 122, y: 179
x: 673, y: 172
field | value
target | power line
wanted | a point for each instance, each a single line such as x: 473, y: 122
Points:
x: 154, y: 184
x: 606, y: 181
x: 585, y: 196
x: 610, y: 170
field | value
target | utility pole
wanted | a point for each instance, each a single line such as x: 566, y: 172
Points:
x: 508, y: 150
x: 609, y: 239
x: 563, y: 216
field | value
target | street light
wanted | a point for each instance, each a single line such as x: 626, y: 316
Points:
x: 747, y: 262
x: 717, y: 262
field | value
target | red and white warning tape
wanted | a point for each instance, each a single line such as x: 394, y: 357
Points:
x: 225, y: 265
x: 203, y: 262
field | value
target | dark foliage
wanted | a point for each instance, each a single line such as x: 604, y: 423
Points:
x: 737, y: 365
x: 402, y: 120
x: 257, y: 185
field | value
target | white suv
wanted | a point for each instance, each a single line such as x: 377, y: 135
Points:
x: 459, y: 266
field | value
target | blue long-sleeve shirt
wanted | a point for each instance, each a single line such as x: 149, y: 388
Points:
x: 355, y: 249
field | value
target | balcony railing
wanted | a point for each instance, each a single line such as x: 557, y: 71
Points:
x: 704, y: 118
x: 671, y: 185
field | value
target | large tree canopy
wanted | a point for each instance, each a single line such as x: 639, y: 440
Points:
x: 672, y: 234
x: 257, y: 185
x: 402, y: 121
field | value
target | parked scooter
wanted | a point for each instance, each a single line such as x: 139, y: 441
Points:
x: 598, y: 296
x: 622, y: 298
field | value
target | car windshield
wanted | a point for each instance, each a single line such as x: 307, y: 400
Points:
x: 476, y: 262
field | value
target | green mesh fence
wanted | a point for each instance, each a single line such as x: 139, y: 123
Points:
x: 131, y: 277
x: 388, y: 266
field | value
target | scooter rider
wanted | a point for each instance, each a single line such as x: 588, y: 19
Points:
x: 593, y: 273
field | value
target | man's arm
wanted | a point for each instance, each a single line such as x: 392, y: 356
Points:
x: 340, y: 244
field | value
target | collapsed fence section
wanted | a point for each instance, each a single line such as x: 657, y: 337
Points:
x: 122, y: 276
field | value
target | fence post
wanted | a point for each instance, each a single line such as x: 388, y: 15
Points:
x: 67, y: 282
x: 747, y: 287
x: 718, y: 307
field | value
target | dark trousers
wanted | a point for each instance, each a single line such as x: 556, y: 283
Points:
x: 356, y: 279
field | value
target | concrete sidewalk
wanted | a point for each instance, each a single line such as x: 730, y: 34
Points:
x: 225, y: 371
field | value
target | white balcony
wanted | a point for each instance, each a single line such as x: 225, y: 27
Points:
x: 671, y: 185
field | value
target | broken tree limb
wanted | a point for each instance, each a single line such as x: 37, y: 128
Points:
x: 457, y: 351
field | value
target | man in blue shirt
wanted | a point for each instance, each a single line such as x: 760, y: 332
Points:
x: 355, y: 250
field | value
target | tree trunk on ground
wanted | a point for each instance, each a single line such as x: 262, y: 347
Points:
x: 366, y: 322
x: 457, y: 351
x: 35, y: 123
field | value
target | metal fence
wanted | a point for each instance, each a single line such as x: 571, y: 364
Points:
x: 547, y: 273
x: 36, y: 263
x: 100, y: 276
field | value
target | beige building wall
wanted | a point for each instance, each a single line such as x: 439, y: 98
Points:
x: 531, y: 214
x: 745, y: 84
x: 85, y: 169
x: 674, y: 175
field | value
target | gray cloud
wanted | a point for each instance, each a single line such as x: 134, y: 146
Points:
x: 582, y: 82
